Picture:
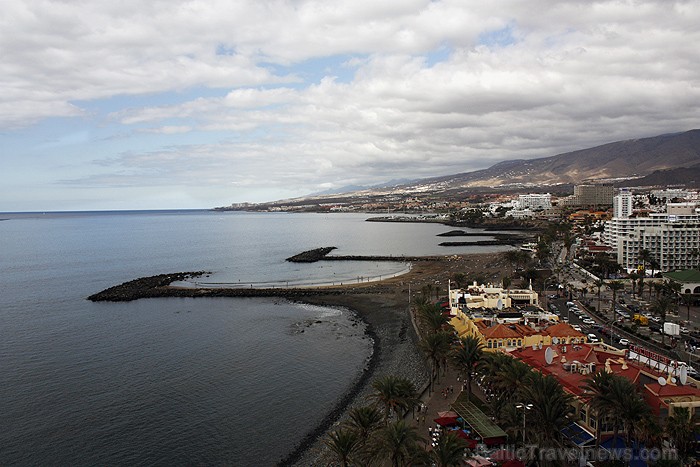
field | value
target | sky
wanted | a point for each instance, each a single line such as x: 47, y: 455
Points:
x: 196, y: 104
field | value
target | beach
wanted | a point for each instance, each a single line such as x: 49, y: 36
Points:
x: 385, y: 308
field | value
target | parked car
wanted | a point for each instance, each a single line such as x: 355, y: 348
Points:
x: 576, y: 327
x: 593, y: 338
x: 624, y: 342
x: 588, y: 321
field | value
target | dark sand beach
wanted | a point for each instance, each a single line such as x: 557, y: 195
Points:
x: 385, y: 308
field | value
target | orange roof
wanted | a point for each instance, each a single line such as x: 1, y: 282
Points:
x: 500, y: 331
x: 525, y: 330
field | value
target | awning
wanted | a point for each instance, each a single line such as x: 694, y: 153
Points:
x: 480, y: 423
x: 448, y: 413
x: 446, y: 421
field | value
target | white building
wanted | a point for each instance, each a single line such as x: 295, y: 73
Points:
x: 490, y: 296
x: 535, y: 201
x: 670, y: 237
x: 669, y: 193
x: 623, y: 203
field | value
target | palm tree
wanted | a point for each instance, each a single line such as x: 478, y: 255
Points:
x: 466, y: 355
x: 437, y: 347
x: 459, y: 279
x: 598, y: 283
x: 431, y: 317
x: 449, y: 450
x: 550, y: 408
x: 635, y: 278
x: 393, y: 394
x: 516, y: 258
x: 660, y: 307
x: 644, y: 256
x: 597, y: 389
x: 344, y: 443
x: 365, y: 420
x: 615, y: 286
x: 681, y: 430
x: 399, y: 443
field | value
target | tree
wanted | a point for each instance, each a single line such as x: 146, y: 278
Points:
x: 644, y: 256
x: 399, y: 443
x: 466, y: 355
x: 597, y: 390
x: 660, y: 307
x: 365, y: 420
x: 431, y: 317
x: 437, y: 347
x: 449, y: 450
x: 344, y: 443
x: 598, y: 283
x: 615, y: 286
x: 517, y: 258
x: 459, y: 279
x: 393, y: 394
x: 550, y: 408
x: 681, y: 430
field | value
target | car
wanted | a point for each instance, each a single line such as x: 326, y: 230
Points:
x: 653, y: 327
x: 624, y: 342
x: 656, y: 319
x: 570, y: 304
x: 692, y: 371
x: 685, y: 330
x: 593, y: 338
x: 576, y: 327
x: 588, y: 321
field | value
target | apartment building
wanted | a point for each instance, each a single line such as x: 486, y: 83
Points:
x: 670, y: 237
x: 535, y: 201
x: 589, y: 195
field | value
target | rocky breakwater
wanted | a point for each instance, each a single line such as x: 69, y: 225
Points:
x: 311, y: 256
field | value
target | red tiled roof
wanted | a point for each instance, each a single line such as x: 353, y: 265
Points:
x: 669, y: 390
x: 500, y: 331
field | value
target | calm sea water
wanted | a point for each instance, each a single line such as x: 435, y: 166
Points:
x: 177, y: 381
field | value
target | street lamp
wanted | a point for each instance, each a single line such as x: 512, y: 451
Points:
x: 524, y: 408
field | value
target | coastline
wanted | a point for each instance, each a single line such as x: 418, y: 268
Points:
x: 396, y: 348
x: 383, y: 306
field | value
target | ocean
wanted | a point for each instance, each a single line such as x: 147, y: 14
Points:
x: 179, y: 381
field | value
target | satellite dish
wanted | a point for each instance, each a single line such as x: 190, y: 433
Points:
x: 534, y: 346
x: 499, y: 304
x: 673, y: 380
x: 555, y: 340
x: 662, y: 381
x: 549, y: 356
x: 539, y: 346
x: 683, y: 376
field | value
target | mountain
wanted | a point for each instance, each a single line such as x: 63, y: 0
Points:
x: 629, y: 159
x: 665, y: 160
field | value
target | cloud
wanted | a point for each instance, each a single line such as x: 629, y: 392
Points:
x: 312, y: 93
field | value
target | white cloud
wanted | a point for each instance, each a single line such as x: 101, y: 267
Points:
x: 435, y: 86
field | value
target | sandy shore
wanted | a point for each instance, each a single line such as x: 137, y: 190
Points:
x: 385, y: 308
